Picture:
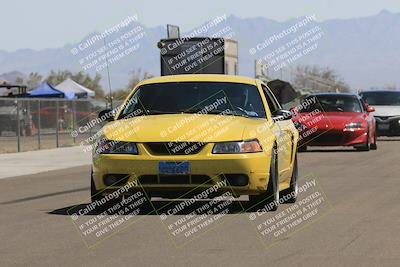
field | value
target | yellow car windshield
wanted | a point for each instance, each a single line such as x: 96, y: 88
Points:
x: 195, y: 97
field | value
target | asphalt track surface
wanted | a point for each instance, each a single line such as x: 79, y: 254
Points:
x: 361, y: 229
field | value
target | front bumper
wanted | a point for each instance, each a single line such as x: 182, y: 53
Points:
x: 335, y: 137
x: 203, y: 165
x: 388, y: 126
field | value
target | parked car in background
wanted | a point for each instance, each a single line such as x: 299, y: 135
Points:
x: 15, y: 116
x: 335, y: 119
x: 14, y: 120
x: 387, y: 110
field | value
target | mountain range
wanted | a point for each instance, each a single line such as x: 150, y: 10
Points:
x: 363, y: 51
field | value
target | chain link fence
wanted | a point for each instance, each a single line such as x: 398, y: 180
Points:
x: 31, y: 124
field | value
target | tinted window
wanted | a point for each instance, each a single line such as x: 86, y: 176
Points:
x: 381, y: 98
x: 272, y: 104
x: 333, y: 103
x: 196, y: 97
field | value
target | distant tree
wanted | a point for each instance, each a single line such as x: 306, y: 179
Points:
x: 82, y: 78
x: 96, y: 86
x: 19, y: 80
x: 120, y: 94
x: 317, y: 79
x: 392, y: 87
x: 56, y: 78
x: 34, y: 80
x: 136, y: 77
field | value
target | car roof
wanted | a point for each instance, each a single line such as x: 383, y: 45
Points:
x: 200, y: 78
x: 333, y: 94
x: 380, y: 91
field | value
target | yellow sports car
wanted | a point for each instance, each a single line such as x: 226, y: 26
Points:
x: 185, y: 133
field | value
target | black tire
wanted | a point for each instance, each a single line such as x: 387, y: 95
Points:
x: 364, y: 147
x: 270, y: 198
x: 94, y: 194
x: 374, y: 146
x: 290, y: 194
x: 302, y: 148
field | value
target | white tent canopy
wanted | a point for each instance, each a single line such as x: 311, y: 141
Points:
x: 72, y: 88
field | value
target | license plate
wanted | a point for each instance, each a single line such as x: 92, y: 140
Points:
x: 167, y: 167
x: 383, y: 126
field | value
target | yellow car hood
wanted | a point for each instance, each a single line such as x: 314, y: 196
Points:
x: 182, y: 127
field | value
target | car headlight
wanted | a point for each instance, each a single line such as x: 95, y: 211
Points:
x: 116, y: 147
x: 250, y: 146
x: 353, y: 126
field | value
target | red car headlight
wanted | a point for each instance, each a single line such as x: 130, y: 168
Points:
x: 353, y: 126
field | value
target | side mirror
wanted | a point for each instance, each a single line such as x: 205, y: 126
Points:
x: 106, y: 115
x: 294, y: 111
x: 370, y: 109
x: 281, y: 115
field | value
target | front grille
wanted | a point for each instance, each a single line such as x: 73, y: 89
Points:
x: 201, y: 179
x: 329, y: 138
x: 175, y: 179
x: 148, y: 179
x: 115, y: 179
x: 235, y: 179
x: 392, y: 127
x: 383, y: 117
x: 175, y: 148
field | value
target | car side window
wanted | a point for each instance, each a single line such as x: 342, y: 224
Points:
x: 272, y: 103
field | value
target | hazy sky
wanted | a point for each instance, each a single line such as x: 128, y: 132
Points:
x: 53, y: 23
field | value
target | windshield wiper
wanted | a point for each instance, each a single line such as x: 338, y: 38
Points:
x: 202, y: 111
x: 159, y: 112
x: 147, y: 112
x: 217, y: 112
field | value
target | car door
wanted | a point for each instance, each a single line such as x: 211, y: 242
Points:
x: 284, y: 136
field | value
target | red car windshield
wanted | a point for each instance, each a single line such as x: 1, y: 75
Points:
x: 333, y: 103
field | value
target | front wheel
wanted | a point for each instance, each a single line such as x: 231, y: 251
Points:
x: 94, y: 194
x: 302, y: 148
x: 373, y: 146
x: 364, y: 147
x: 97, y: 196
x: 270, y: 198
x: 290, y: 195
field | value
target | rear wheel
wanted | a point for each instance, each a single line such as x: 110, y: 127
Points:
x: 270, y: 198
x: 290, y: 195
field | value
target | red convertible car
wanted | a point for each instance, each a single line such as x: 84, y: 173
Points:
x: 335, y: 119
